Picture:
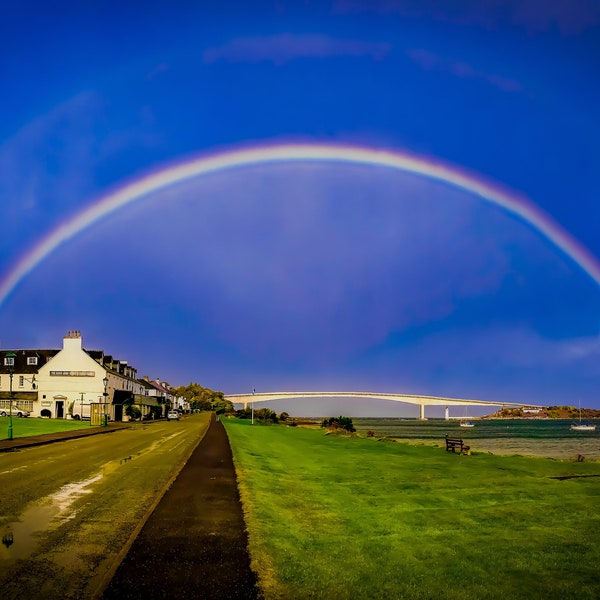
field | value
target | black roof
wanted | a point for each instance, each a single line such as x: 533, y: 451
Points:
x: 21, y: 363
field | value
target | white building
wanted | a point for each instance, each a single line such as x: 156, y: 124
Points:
x: 72, y: 382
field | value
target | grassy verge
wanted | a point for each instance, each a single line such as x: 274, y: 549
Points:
x: 332, y: 517
x: 32, y: 426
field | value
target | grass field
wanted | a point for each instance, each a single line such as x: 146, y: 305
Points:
x: 335, y: 517
x: 32, y: 426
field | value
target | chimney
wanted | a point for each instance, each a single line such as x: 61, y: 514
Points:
x: 72, y: 340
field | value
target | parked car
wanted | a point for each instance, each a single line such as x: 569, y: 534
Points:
x: 172, y: 415
x: 16, y: 411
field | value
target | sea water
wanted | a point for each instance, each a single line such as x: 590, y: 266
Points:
x: 527, y: 437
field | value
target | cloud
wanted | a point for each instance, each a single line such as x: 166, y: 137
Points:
x: 510, y: 345
x: 433, y: 62
x: 581, y: 348
x: 284, y: 47
x: 570, y: 17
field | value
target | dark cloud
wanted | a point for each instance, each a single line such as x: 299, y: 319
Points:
x: 570, y: 17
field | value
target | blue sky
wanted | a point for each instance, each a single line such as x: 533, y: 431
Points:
x: 309, y: 276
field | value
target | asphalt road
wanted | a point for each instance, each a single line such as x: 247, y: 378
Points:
x: 194, y: 545
x: 68, y: 508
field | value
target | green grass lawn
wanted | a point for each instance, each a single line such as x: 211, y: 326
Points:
x: 31, y: 426
x: 336, y: 517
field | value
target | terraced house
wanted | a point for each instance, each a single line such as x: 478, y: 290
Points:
x: 73, y: 383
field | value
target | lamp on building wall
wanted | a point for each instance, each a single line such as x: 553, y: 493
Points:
x: 32, y: 381
x: 10, y: 363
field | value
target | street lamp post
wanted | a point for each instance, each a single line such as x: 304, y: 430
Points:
x: 11, y: 369
x: 105, y: 382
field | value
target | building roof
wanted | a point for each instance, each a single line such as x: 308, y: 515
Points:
x: 119, y: 368
x: 21, y: 365
x: 145, y: 382
x: 162, y: 387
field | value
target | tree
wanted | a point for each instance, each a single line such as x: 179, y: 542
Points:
x: 201, y: 398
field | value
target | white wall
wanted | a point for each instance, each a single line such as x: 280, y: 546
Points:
x: 79, y: 374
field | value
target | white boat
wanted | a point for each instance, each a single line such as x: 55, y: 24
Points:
x: 464, y: 422
x: 582, y: 426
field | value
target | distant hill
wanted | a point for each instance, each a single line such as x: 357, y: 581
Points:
x: 552, y: 412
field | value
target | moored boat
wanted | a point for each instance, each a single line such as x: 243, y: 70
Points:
x: 582, y: 426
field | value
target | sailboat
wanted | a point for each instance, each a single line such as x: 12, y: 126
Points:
x: 582, y: 426
x: 465, y: 422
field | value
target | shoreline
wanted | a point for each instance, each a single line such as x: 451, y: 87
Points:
x: 546, y: 438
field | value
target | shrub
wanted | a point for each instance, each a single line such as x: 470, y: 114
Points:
x: 260, y: 414
x: 266, y: 414
x: 133, y: 412
x: 333, y: 423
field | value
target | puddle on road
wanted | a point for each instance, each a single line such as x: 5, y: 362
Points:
x: 13, y: 470
x: 155, y: 445
x: 19, y: 538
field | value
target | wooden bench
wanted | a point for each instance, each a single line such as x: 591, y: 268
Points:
x: 456, y: 443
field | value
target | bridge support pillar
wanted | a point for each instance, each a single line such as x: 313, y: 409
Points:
x: 421, y: 412
x: 447, y: 413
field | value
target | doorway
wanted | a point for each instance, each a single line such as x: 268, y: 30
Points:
x: 60, y: 409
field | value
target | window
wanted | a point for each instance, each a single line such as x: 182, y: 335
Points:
x: 21, y: 380
x: 32, y: 360
x: 9, y: 361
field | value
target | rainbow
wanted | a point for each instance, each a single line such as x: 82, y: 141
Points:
x: 513, y: 203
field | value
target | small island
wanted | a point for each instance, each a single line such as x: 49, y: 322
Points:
x: 551, y: 412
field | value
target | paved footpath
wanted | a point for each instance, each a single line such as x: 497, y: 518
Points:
x: 194, y: 545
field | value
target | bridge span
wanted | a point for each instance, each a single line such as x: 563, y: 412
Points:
x: 422, y: 401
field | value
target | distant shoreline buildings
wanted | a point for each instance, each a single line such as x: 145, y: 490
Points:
x: 75, y: 383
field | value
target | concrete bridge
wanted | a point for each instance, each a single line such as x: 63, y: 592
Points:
x: 422, y: 401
